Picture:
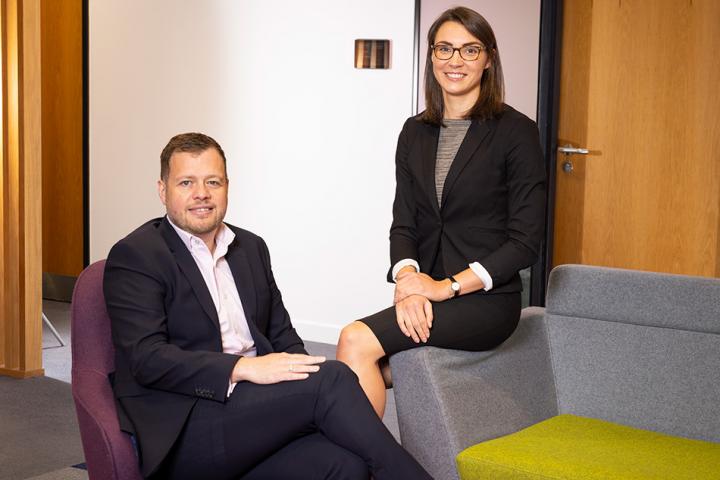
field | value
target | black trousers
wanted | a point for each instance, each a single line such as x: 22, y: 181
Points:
x: 319, y: 428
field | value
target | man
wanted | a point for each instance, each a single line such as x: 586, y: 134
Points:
x: 211, y: 378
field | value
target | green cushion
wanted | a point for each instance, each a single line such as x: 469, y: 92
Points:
x: 568, y: 446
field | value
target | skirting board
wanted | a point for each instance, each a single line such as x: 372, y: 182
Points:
x: 57, y: 287
x: 317, y: 332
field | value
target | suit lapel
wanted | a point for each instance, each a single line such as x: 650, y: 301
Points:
x: 190, y: 269
x: 245, y: 284
x: 240, y: 268
x: 476, y: 134
x: 429, y: 157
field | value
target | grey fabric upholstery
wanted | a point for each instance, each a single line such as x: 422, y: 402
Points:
x: 659, y: 379
x: 448, y: 400
x: 637, y: 348
x: 639, y: 298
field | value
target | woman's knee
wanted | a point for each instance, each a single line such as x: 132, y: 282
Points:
x: 356, y: 339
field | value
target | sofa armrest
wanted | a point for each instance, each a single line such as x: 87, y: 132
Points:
x: 448, y: 400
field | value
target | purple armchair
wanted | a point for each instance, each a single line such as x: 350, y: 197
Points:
x: 109, y: 454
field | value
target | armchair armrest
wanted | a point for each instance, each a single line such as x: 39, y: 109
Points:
x: 448, y: 400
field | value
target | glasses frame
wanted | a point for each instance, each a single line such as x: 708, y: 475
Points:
x: 481, y: 49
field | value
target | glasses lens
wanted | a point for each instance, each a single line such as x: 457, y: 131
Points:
x: 470, y: 53
x: 443, y: 52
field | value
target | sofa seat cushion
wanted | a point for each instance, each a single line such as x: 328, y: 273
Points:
x: 569, y: 447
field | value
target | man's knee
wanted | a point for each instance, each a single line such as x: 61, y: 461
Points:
x: 337, y: 370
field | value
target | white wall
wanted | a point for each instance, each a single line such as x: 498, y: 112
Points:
x: 309, y: 139
x: 516, y: 24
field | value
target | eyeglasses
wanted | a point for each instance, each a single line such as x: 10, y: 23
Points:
x: 446, y: 52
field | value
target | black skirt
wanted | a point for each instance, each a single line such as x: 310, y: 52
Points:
x: 474, y: 322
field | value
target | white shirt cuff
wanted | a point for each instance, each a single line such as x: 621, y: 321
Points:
x: 404, y: 263
x: 483, y: 274
x: 231, y: 387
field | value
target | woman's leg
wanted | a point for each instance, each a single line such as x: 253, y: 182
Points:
x: 472, y: 322
x: 360, y: 350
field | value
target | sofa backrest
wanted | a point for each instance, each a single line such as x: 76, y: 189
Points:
x: 638, y: 348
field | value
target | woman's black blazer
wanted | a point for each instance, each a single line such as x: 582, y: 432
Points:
x: 493, y: 201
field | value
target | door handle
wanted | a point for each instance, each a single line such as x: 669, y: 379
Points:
x: 568, y: 150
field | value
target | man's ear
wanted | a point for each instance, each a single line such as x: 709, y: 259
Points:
x: 161, y: 191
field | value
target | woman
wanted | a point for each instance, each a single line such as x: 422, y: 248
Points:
x: 468, y: 212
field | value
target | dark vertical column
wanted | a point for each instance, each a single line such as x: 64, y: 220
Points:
x: 547, y: 115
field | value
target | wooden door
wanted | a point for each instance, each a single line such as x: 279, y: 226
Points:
x: 640, y: 88
x: 62, y: 139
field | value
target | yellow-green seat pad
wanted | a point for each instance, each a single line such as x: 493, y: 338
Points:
x: 568, y: 446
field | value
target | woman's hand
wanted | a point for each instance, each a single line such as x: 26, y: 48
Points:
x: 413, y: 283
x: 414, y: 317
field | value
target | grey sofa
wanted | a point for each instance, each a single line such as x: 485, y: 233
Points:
x: 637, y: 348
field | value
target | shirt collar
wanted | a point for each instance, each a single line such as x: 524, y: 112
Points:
x: 223, y: 238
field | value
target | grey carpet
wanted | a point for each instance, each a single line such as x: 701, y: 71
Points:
x: 56, y: 359
x: 38, y: 427
x: 64, y: 474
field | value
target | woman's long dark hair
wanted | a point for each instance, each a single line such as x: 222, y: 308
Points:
x: 492, y: 89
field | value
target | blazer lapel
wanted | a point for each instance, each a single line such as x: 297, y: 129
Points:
x: 240, y: 268
x: 476, y: 134
x: 242, y: 274
x: 190, y: 269
x: 429, y: 157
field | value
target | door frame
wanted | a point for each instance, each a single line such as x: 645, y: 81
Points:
x: 547, y: 122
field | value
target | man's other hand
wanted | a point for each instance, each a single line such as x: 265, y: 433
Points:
x: 275, y: 368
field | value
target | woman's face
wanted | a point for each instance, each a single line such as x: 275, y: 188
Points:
x: 459, y: 77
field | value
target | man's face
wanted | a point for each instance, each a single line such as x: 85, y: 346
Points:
x: 195, y: 192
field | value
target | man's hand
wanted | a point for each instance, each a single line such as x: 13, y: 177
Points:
x: 413, y: 283
x: 414, y: 316
x: 275, y: 368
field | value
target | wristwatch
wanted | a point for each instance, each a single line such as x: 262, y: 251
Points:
x: 454, y: 286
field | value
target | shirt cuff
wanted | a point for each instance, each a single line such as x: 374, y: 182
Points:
x: 231, y: 387
x: 404, y: 263
x: 483, y: 274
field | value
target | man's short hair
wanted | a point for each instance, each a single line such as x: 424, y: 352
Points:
x: 187, y: 142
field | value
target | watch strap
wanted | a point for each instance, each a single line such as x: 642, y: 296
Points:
x: 453, y: 282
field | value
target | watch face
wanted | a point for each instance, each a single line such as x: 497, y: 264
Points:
x: 455, y: 286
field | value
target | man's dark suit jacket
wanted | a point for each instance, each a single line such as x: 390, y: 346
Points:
x: 493, y: 201
x: 166, y: 331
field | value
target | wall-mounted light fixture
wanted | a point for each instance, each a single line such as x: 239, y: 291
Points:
x: 372, y: 53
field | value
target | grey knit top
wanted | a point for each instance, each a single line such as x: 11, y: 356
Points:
x: 451, y: 137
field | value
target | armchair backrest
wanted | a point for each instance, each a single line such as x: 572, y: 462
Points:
x: 109, y: 454
x: 92, y: 347
x: 638, y: 348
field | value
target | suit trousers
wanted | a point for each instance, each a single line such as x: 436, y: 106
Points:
x: 319, y: 428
